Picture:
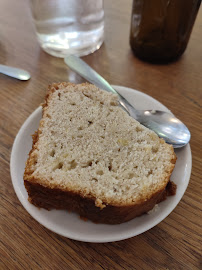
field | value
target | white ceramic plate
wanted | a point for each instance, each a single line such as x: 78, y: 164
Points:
x: 69, y: 224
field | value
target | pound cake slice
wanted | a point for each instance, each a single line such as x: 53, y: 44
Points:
x: 89, y: 156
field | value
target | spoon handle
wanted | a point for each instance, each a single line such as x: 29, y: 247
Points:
x: 78, y: 65
x: 15, y: 72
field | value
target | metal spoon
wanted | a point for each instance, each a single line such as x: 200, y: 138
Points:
x: 167, y: 126
x: 15, y: 72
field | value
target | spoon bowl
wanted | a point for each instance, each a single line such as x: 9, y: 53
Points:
x: 164, y: 124
x: 168, y: 127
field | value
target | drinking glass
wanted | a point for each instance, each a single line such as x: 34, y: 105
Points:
x: 68, y: 26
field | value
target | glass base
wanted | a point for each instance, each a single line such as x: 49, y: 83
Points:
x: 84, y: 44
x: 64, y: 52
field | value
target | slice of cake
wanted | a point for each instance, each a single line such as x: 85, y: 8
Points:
x: 91, y: 157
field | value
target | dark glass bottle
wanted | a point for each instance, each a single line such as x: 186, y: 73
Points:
x: 160, y: 29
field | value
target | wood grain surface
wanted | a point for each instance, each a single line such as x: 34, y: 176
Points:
x: 175, y: 243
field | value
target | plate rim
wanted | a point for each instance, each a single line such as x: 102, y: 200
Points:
x: 84, y: 239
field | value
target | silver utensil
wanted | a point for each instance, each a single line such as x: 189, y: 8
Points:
x: 167, y: 126
x: 17, y: 73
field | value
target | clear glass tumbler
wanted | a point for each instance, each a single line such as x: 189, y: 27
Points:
x: 69, y: 26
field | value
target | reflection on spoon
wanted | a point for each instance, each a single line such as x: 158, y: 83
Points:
x: 17, y: 73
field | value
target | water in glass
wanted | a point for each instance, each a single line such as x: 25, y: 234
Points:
x: 69, y: 26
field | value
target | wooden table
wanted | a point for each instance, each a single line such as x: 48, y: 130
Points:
x: 175, y: 243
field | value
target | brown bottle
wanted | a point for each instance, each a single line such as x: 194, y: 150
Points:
x: 160, y: 29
